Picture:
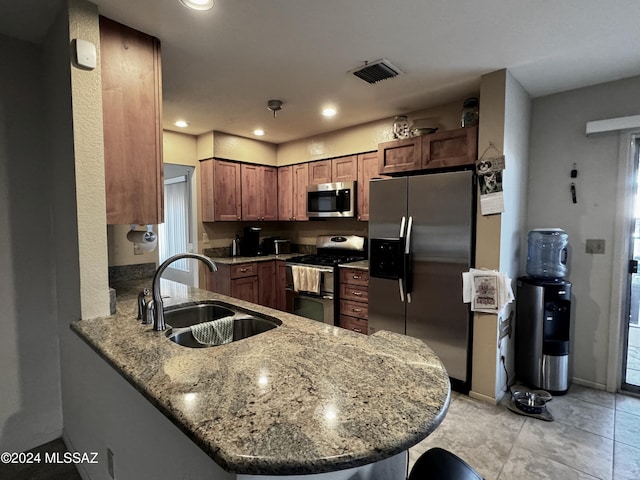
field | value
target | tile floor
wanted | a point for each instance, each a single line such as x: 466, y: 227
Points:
x: 595, y: 435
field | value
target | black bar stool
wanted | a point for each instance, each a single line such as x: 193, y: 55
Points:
x: 440, y: 464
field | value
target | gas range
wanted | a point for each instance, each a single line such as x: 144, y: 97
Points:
x: 324, y: 260
x: 322, y: 304
x: 334, y: 250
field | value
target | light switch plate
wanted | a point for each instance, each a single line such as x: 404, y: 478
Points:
x: 595, y: 246
x: 85, y: 54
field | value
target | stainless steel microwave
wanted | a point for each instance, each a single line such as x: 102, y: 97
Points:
x: 331, y: 200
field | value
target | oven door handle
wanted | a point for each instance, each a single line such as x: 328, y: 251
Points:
x: 322, y: 270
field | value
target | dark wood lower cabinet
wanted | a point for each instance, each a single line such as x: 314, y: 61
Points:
x: 354, y: 300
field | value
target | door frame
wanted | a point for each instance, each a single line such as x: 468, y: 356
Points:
x: 618, y: 311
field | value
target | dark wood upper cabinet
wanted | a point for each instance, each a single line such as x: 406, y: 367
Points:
x: 319, y: 172
x: 259, y: 192
x: 344, y: 169
x: 367, y: 169
x: 132, y: 124
x: 220, y: 190
x: 449, y: 148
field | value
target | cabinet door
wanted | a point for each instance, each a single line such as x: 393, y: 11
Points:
x: 132, y: 124
x: 251, y: 192
x: 344, y: 169
x: 300, y: 179
x: 226, y: 195
x: 269, y: 179
x: 320, y: 172
x: 450, y: 148
x: 245, y: 289
x: 285, y: 193
x: 281, y: 286
x: 399, y: 156
x: 206, y: 190
x: 267, y: 291
x: 367, y: 169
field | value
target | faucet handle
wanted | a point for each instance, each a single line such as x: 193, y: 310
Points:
x: 142, y: 303
x: 149, y: 315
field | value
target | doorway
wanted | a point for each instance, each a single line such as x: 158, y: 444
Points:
x: 177, y: 233
x: 631, y: 327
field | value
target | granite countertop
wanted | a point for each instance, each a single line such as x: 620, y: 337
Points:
x: 361, y: 265
x: 302, y: 398
x: 259, y: 258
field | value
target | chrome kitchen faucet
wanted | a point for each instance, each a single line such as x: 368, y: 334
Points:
x: 155, y: 308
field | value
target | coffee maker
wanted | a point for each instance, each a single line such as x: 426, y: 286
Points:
x: 250, y: 245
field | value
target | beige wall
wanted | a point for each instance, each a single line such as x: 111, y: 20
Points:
x: 232, y: 147
x: 86, y: 88
x: 361, y: 138
x: 485, y: 328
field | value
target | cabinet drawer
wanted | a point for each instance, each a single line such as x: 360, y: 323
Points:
x: 354, y: 276
x: 354, y: 309
x: 244, y: 270
x: 354, y: 324
x: 356, y: 293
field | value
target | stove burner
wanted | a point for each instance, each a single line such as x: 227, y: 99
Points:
x: 324, y: 260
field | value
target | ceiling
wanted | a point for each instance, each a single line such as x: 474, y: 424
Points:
x: 220, y: 67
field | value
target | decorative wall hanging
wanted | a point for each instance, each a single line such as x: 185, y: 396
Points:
x: 489, y: 170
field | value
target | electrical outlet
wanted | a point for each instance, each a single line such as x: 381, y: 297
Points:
x: 137, y: 250
x: 110, y: 463
x: 205, y: 237
x: 505, y: 327
x: 595, y: 246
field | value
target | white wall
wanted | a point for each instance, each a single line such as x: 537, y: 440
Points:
x: 30, y: 403
x: 557, y: 141
x: 513, y: 221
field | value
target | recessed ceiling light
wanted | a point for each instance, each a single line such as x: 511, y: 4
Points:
x: 259, y: 132
x: 198, y: 4
x: 182, y: 124
x: 329, y: 112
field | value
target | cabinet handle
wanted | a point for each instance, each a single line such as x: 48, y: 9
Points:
x: 357, y: 277
x: 244, y: 270
x: 357, y: 330
x: 238, y: 218
x: 356, y: 310
x: 357, y: 294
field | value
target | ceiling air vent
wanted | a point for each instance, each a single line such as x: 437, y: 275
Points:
x: 376, y: 71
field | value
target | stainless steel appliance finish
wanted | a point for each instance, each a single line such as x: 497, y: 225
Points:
x: 543, y: 313
x: 421, y: 241
x: 332, y: 251
x: 318, y: 307
x: 331, y: 200
x: 281, y: 246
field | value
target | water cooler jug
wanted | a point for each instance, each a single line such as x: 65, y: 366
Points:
x: 543, y: 311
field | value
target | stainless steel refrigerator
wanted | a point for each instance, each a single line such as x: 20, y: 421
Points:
x: 421, y: 235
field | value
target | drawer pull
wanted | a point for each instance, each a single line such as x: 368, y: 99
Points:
x: 357, y: 294
x: 357, y: 330
x: 244, y: 270
x: 357, y: 277
x: 356, y: 310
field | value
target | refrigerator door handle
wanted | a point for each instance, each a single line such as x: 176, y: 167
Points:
x: 408, y: 261
x: 401, y: 287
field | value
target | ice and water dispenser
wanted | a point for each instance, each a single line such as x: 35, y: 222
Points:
x: 543, y: 310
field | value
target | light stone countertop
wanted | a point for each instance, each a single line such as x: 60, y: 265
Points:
x: 259, y: 258
x: 361, y: 265
x: 302, y: 398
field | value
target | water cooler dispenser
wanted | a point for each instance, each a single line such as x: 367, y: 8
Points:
x: 543, y: 311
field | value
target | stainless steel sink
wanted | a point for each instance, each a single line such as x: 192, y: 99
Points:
x: 244, y: 324
x: 189, y: 315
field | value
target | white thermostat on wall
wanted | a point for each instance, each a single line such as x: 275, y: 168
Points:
x: 85, y: 54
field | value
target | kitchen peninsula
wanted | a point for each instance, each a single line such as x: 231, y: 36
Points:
x: 303, y: 398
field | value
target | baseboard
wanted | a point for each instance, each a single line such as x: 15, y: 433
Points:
x: 482, y: 397
x: 587, y: 383
x: 69, y: 444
